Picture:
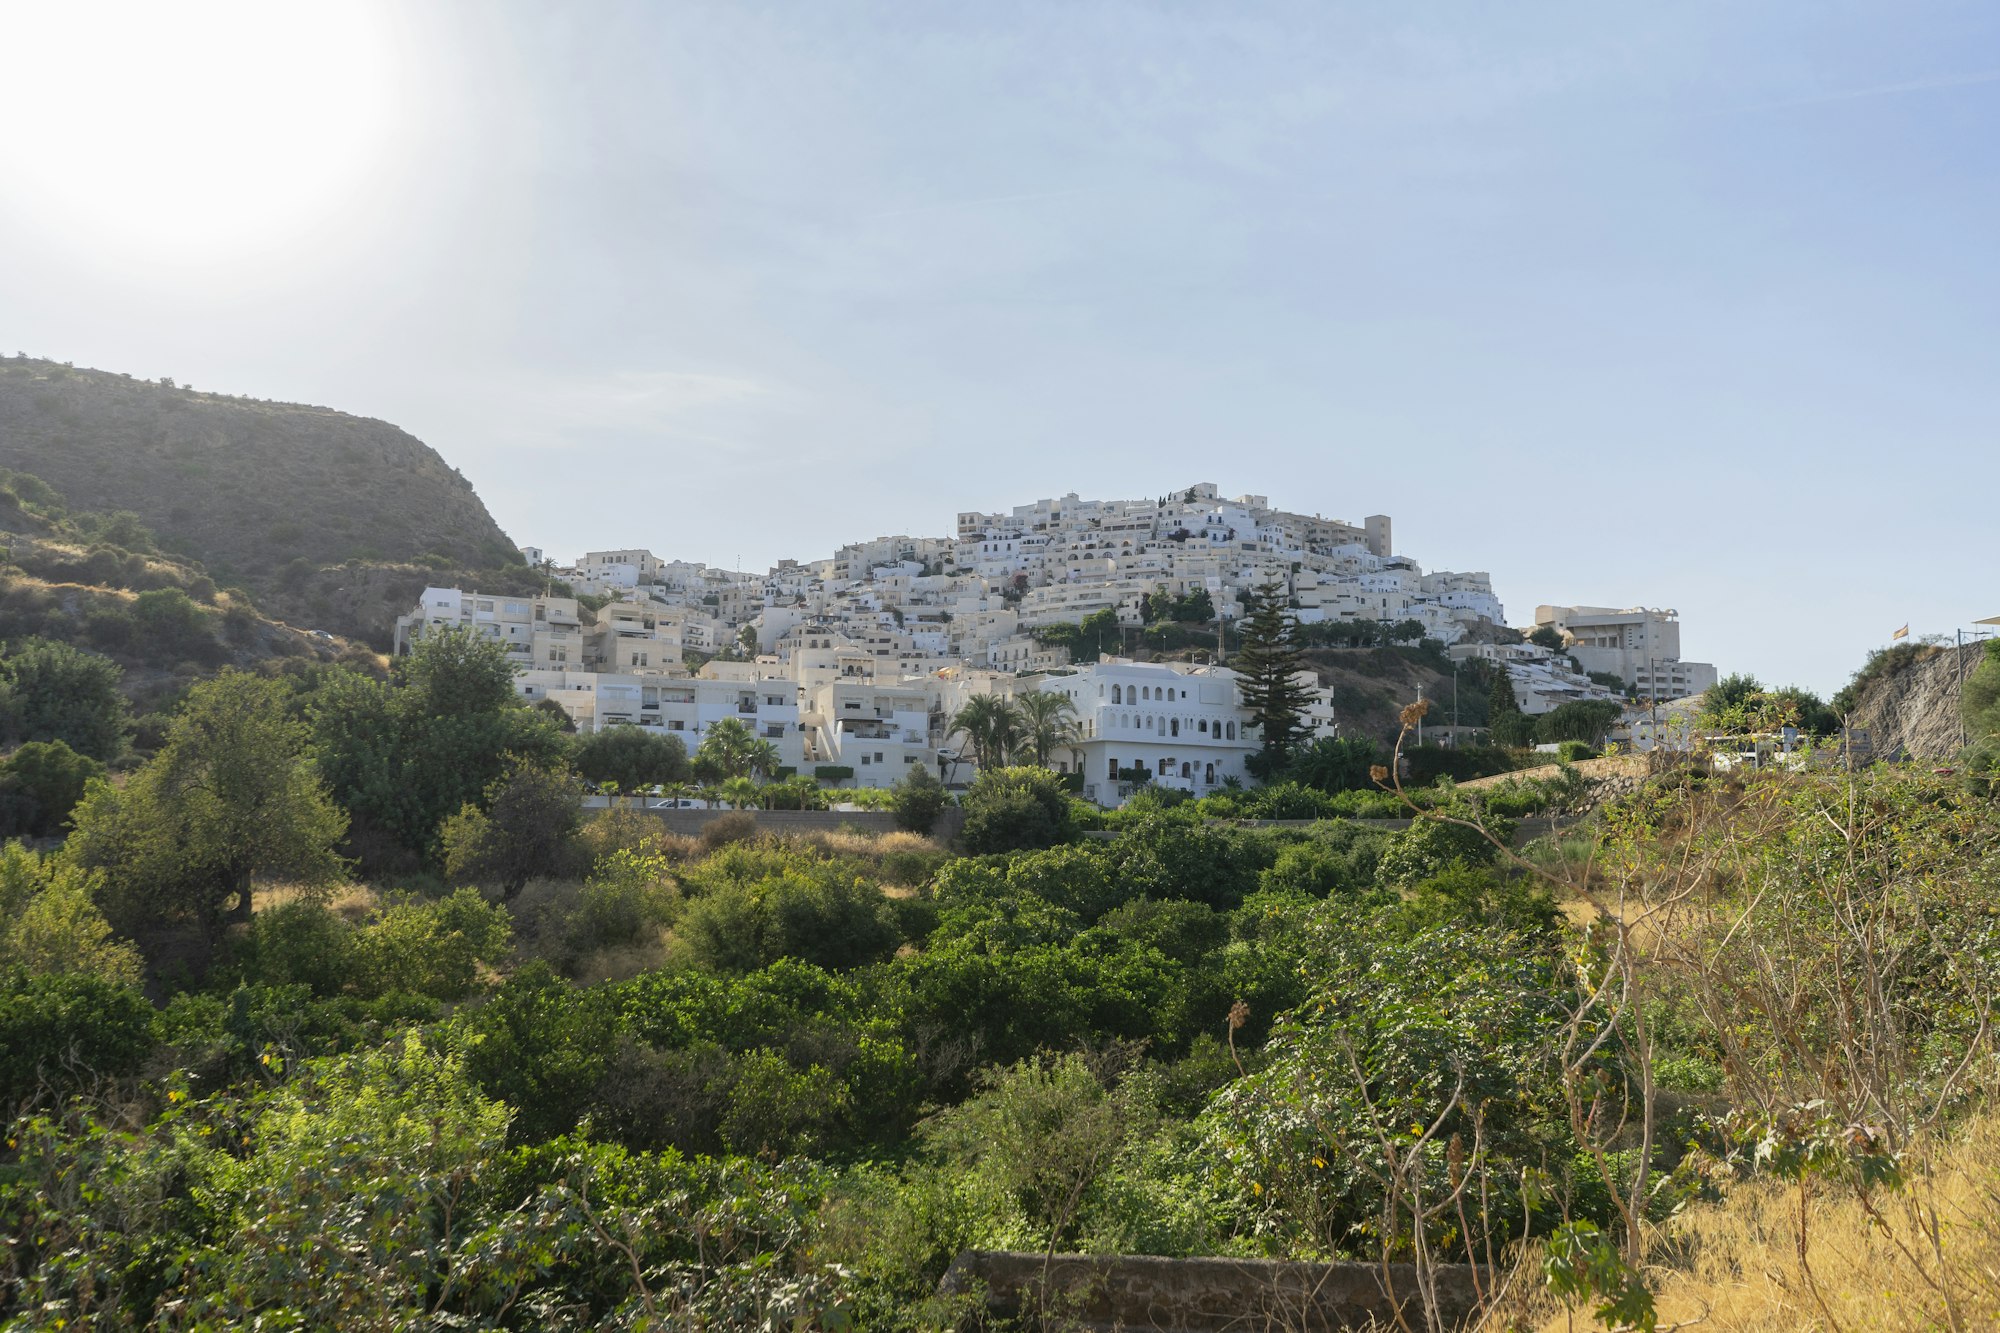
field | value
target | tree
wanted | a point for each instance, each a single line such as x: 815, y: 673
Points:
x: 1334, y: 764
x: 1725, y: 704
x: 1510, y: 726
x: 731, y: 749
x: 1047, y: 724
x: 1586, y: 720
x: 991, y: 725
x: 918, y: 800
x: 1098, y: 633
x: 631, y: 757
x: 230, y: 797
x: 1015, y: 809
x: 50, y: 925
x: 40, y: 783
x: 1546, y: 636
x: 1266, y: 666
x: 52, y: 692
x: 404, y: 756
x: 740, y: 793
x: 1196, y: 608
x: 1404, y: 631
x: 526, y: 830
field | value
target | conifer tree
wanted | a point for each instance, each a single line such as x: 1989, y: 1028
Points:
x: 1265, y: 664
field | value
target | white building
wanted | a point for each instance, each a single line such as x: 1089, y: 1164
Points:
x: 1184, y: 727
x: 1639, y: 645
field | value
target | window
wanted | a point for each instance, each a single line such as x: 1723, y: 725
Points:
x: 1176, y: 726
x: 1118, y: 694
x: 1187, y: 769
x: 1232, y: 731
x: 1202, y: 726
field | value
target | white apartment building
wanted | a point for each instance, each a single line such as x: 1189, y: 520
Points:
x: 879, y: 730
x: 1185, y: 727
x: 1639, y: 645
x: 760, y: 696
x: 1543, y: 680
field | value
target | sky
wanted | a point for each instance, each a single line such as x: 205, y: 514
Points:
x: 1684, y: 305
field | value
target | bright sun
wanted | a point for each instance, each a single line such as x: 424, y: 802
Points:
x: 167, y: 132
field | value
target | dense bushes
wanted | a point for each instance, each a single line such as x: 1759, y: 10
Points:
x: 1016, y: 809
x: 54, y: 692
x: 61, y: 1032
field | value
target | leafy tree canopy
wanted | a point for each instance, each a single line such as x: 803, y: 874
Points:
x: 53, y: 692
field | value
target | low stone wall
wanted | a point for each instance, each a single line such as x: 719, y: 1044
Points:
x: 804, y: 821
x: 1102, y: 1293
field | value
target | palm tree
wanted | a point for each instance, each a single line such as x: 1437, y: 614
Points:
x: 740, y: 793
x: 730, y: 746
x: 762, y: 757
x: 991, y: 725
x: 1048, y: 724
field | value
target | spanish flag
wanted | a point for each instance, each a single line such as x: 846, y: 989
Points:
x: 1902, y: 633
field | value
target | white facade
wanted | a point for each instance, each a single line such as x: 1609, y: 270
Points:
x: 1185, y: 728
x: 1640, y: 645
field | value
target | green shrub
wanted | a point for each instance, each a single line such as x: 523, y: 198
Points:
x: 1016, y: 809
x: 432, y: 948
x: 811, y: 910
x: 40, y: 783
x: 299, y: 943
x: 918, y: 800
x: 60, y: 1032
x: 1431, y: 846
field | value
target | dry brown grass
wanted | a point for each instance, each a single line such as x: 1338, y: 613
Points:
x: 1735, y: 1266
x: 353, y: 902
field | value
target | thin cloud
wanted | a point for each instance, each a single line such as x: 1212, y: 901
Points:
x: 943, y: 205
x: 1936, y: 83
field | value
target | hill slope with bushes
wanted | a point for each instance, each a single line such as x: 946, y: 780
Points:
x: 267, y: 496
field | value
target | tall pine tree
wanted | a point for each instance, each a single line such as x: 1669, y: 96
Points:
x: 1265, y: 666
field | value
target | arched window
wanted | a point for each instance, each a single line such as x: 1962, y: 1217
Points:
x: 1208, y: 776
x: 1232, y: 731
x: 1177, y: 726
x: 1146, y: 693
x: 1117, y: 694
x: 1202, y: 726
x: 1187, y: 769
x: 1166, y: 768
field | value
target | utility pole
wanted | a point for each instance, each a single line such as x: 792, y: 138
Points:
x: 1958, y: 671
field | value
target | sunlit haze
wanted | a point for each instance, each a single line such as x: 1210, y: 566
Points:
x: 1687, y: 306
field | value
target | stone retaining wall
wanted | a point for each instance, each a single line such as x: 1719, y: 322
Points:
x: 1101, y: 1293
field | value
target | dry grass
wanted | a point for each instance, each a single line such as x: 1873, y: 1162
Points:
x: 352, y: 902
x: 1735, y: 1266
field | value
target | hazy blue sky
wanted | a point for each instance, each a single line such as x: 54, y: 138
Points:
x: 1689, y: 305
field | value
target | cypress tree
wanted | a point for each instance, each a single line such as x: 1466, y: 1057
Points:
x: 1265, y: 665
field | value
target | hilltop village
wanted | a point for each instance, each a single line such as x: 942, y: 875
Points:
x: 852, y: 666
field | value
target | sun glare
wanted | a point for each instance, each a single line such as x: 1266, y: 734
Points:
x: 156, y: 133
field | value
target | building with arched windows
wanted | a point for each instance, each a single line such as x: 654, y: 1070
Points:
x: 1180, y: 726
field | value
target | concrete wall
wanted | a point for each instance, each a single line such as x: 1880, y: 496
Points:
x: 806, y: 821
x: 1129, y: 1292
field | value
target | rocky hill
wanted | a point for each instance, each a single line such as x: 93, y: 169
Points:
x: 1907, y: 698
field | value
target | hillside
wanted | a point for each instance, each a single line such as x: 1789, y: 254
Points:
x: 100, y: 583
x: 1907, y: 699
x: 256, y: 491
